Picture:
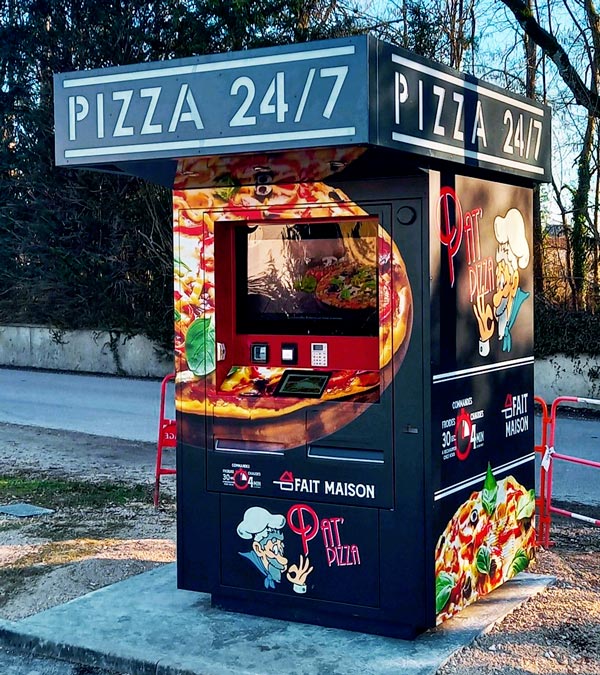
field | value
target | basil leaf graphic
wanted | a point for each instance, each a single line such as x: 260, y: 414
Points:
x: 200, y: 347
x: 177, y: 315
x: 226, y: 193
x: 228, y: 186
x: 483, y: 560
x: 444, y: 584
x: 526, y: 505
x: 489, y: 495
x: 519, y: 562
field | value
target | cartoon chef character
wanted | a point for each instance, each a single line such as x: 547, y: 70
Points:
x: 265, y: 529
x: 511, y: 256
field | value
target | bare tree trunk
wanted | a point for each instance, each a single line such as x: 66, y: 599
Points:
x: 595, y: 295
x: 567, y: 235
x: 580, y: 214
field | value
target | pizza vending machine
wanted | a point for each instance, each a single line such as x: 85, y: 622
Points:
x: 353, y: 321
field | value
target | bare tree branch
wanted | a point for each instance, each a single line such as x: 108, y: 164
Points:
x: 552, y: 48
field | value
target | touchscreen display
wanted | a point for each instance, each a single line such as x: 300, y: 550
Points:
x: 302, y: 384
x: 318, y: 278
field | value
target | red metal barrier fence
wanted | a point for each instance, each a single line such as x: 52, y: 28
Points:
x: 549, y: 455
x: 543, y: 519
x: 167, y: 438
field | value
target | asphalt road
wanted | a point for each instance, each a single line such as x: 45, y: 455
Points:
x: 128, y: 408
x: 104, y: 406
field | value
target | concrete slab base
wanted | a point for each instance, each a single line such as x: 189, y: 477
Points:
x: 145, y: 626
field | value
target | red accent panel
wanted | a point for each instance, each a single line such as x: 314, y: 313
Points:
x: 344, y: 353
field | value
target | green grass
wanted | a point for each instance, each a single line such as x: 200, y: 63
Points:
x: 54, y: 493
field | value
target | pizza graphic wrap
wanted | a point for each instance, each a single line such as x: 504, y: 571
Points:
x: 293, y: 166
x: 245, y: 395
x: 490, y: 539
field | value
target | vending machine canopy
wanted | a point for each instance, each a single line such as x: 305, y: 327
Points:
x: 356, y: 91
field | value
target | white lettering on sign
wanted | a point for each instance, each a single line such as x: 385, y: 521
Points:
x: 459, y: 99
x: 274, y: 102
x: 290, y: 483
x: 240, y: 118
x: 185, y: 110
x: 191, y: 115
x: 341, y: 489
x: 153, y: 93
x: 306, y: 485
x: 125, y: 98
x: 462, y: 403
x: 161, y: 107
x: 465, y: 429
x: 515, y: 136
x: 479, y: 126
x: 515, y: 413
x: 100, y: 115
x: 276, y: 90
x: 240, y: 477
x: 79, y: 108
x: 478, y: 129
x: 339, y: 72
x: 439, y: 111
x: 517, y: 426
x: 440, y: 92
x: 401, y: 94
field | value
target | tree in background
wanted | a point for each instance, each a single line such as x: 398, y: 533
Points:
x: 83, y: 249
x: 88, y: 250
x: 577, y: 96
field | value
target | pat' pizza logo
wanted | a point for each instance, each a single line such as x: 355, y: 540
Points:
x: 494, y: 281
x: 266, y: 534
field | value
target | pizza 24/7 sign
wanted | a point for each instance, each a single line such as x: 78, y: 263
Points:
x: 349, y: 91
x: 439, y: 112
x: 297, y: 96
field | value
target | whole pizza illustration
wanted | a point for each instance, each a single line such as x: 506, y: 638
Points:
x: 371, y: 276
x: 490, y: 538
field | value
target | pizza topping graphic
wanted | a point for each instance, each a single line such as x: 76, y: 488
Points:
x: 490, y: 538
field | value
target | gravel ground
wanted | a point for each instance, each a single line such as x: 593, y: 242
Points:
x: 49, y: 560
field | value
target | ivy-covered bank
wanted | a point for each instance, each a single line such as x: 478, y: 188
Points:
x: 562, y: 331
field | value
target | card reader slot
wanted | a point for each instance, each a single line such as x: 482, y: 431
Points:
x: 253, y: 447
x: 346, y: 454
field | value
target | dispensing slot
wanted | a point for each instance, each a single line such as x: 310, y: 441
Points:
x: 237, y: 445
x: 345, y: 454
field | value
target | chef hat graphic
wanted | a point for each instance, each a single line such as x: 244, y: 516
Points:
x: 510, y: 230
x: 258, y: 522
